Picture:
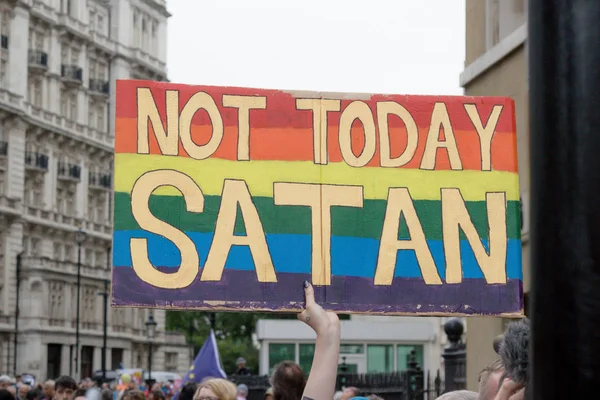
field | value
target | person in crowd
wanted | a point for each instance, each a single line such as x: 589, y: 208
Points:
x: 106, y: 394
x: 269, y: 394
x: 5, y: 381
x: 65, y: 388
x: 188, y: 391
x: 216, y: 389
x: 48, y: 390
x: 6, y: 394
x: 374, y: 397
x: 350, y: 392
x: 134, y: 394
x: 338, y: 395
x: 23, y: 390
x: 156, y: 394
x: 241, y: 367
x: 79, y: 394
x: 288, y: 381
x: 459, y: 395
x: 321, y: 381
x: 13, y: 391
x: 33, y: 394
x: 242, y: 392
x: 510, y: 390
x: 489, y: 380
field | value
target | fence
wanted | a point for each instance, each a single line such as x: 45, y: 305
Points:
x: 411, y: 384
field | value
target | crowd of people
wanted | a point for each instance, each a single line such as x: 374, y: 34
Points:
x: 503, y: 380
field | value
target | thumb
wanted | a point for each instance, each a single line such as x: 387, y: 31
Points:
x: 309, y: 294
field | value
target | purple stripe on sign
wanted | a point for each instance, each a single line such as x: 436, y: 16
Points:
x: 240, y: 289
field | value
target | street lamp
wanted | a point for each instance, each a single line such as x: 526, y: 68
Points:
x: 105, y: 295
x: 80, y: 237
x: 150, y: 332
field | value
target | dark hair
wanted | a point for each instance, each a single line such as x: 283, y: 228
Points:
x: 6, y: 395
x: 133, y: 394
x: 65, y: 382
x: 79, y: 393
x: 188, y: 391
x: 107, y: 394
x: 288, y: 381
x: 159, y: 395
x: 32, y: 394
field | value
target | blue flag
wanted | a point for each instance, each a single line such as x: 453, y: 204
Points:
x: 207, y: 364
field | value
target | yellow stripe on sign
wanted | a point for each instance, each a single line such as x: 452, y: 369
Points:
x: 260, y: 175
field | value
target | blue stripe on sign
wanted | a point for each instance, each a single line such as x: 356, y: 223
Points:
x: 350, y: 256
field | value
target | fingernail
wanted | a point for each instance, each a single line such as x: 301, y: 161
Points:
x: 306, y: 284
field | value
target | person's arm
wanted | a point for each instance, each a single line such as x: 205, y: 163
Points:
x: 510, y: 390
x: 323, y: 374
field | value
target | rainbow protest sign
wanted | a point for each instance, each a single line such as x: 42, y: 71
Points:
x: 229, y: 198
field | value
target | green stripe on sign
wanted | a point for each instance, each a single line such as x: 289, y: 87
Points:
x: 346, y: 221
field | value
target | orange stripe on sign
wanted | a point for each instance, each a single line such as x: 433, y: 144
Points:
x: 281, y: 109
x: 295, y: 144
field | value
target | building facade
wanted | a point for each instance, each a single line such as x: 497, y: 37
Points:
x: 370, y: 344
x: 59, y: 60
x: 496, y: 65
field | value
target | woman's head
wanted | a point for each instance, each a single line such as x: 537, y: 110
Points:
x: 216, y: 389
x: 288, y: 381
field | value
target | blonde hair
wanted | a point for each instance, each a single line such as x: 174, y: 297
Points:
x: 222, y: 388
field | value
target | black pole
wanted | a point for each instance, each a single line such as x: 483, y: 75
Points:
x: 77, y: 311
x: 150, y: 362
x: 213, y: 320
x: 105, y: 328
x: 17, y: 311
x: 564, y: 60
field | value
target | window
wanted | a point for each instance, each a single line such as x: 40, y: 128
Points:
x: 3, y: 70
x: 116, y: 358
x: 73, y: 106
x: 92, y: 68
x: 307, y: 351
x: 101, y: 71
x: 37, y: 94
x: 92, y: 19
x: 89, y: 257
x: 64, y: 53
x: 64, y: 106
x: 100, y: 119
x: 68, y: 253
x: 100, y: 23
x: 352, y: 348
x: 403, y: 356
x: 279, y: 352
x: 5, y: 22
x: 54, y: 356
x: 380, y: 358
x: 144, y: 35
x: 39, y: 41
x: 171, y: 361
x: 136, y: 30
x: 35, y: 246
x: 154, y: 39
x: 98, y: 258
x: 75, y: 57
x: 58, y: 250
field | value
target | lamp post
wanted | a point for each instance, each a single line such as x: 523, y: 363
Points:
x: 150, y: 332
x: 105, y: 319
x: 80, y: 237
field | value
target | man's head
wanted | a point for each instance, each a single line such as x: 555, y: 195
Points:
x: 490, y: 379
x: 242, y: 390
x: 23, y: 390
x: 5, y: 381
x: 459, y: 395
x: 188, y: 391
x: 64, y: 388
x: 288, y: 381
x: 6, y: 395
x: 350, y: 392
x: 48, y: 389
x: 240, y: 362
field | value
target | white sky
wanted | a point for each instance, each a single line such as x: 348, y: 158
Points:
x: 372, y: 46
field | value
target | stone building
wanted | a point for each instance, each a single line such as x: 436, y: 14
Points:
x: 496, y: 65
x: 59, y: 60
